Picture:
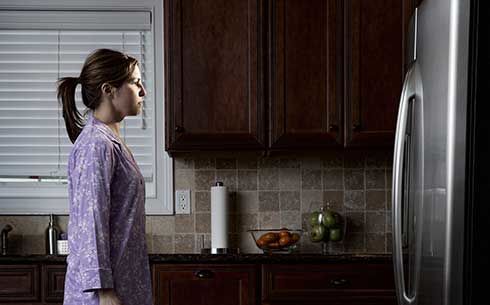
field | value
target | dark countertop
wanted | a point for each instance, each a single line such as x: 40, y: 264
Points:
x: 218, y: 259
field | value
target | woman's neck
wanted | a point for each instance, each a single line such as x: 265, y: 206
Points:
x: 109, y: 121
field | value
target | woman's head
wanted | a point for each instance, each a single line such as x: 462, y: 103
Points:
x: 103, y: 73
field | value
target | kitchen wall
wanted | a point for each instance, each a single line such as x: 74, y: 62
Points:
x: 266, y: 192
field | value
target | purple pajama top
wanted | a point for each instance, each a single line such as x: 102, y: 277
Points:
x: 106, y: 229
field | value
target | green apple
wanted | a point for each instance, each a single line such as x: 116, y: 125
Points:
x: 329, y: 219
x: 316, y: 218
x: 317, y: 233
x: 335, y: 234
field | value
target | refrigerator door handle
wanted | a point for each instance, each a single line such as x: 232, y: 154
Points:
x: 408, y: 92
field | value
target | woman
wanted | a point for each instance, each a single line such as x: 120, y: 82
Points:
x: 108, y: 261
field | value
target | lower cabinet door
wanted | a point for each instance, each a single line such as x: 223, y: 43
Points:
x: 332, y: 284
x: 54, y: 283
x: 19, y: 284
x: 205, y: 284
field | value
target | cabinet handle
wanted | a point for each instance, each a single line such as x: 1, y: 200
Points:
x: 204, y: 274
x: 339, y: 282
x: 179, y: 129
x: 333, y: 127
x: 356, y: 127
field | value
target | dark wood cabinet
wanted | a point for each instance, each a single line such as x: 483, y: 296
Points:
x: 20, y: 284
x: 336, y: 284
x: 213, y: 71
x: 283, y: 74
x: 374, y: 50
x: 305, y: 73
x: 54, y: 283
x: 205, y: 284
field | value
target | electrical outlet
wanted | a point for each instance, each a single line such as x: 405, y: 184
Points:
x: 182, y: 201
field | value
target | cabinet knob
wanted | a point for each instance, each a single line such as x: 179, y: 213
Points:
x: 204, y: 274
x: 333, y: 127
x: 339, y: 282
x: 356, y: 127
x: 179, y: 128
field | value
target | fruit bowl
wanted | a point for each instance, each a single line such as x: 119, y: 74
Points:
x: 276, y: 240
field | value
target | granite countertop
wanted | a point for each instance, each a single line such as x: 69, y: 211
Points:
x: 218, y: 259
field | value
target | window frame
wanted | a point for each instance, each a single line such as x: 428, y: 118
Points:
x: 162, y: 203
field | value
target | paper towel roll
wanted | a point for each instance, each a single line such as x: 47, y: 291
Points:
x: 219, y: 216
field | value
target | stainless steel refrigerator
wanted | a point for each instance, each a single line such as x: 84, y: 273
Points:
x: 435, y: 205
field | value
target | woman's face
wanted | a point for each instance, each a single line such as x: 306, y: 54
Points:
x: 128, y: 99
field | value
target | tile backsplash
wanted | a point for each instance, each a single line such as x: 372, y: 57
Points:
x: 265, y: 192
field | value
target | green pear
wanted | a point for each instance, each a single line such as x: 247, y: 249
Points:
x: 335, y: 234
x: 317, y: 233
x: 316, y: 218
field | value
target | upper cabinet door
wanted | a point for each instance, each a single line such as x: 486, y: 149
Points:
x: 213, y: 71
x: 374, y: 69
x: 305, y: 73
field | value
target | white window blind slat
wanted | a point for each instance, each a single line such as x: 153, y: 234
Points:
x: 33, y: 140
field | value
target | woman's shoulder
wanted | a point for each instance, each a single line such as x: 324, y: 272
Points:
x: 94, y: 138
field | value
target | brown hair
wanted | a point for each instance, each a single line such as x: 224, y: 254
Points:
x: 101, y: 66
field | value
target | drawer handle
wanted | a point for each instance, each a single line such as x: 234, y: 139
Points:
x: 204, y: 274
x: 339, y: 282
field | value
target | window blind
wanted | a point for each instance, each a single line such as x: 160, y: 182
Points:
x: 34, y: 145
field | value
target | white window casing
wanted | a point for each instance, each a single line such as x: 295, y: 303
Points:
x: 45, y: 40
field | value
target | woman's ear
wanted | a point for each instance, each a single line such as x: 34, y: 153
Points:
x: 107, y: 90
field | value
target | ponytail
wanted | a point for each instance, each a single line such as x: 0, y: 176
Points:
x: 66, y: 97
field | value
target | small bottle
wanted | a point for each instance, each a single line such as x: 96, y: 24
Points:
x: 51, y: 237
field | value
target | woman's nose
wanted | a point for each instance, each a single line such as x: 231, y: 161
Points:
x: 142, y: 91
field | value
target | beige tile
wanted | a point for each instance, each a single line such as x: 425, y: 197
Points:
x: 202, y: 241
x: 289, y: 162
x: 333, y: 160
x: 268, y: 162
x: 389, y: 243
x: 289, y: 201
x: 354, y: 243
x: 269, y: 220
x: 389, y: 176
x: 290, y: 220
x: 388, y: 200
x: 184, y: 179
x: 203, y: 223
x: 268, y: 201
x: 377, y: 159
x: 247, y: 202
x: 375, y: 200
x: 204, y: 163
x: 247, y: 162
x: 247, y: 180
x: 162, y: 225
x: 30, y: 225
x: 375, y: 222
x: 204, y: 179
x: 184, y: 243
x: 333, y: 179
x: 389, y: 222
x: 375, y: 179
x: 247, y: 244
x: 311, y: 179
x: 33, y: 244
x: 15, y: 244
x: 183, y: 163
x: 228, y: 177
x: 354, y: 200
x: 334, y: 200
x: 268, y: 179
x: 355, y: 222
x: 162, y: 244
x: 311, y: 163
x: 289, y: 179
x: 375, y: 242
x: 247, y: 222
x: 354, y: 159
x: 353, y: 179
x: 184, y: 223
x: 203, y: 201
x: 226, y: 163
x: 311, y: 200
x: 149, y: 242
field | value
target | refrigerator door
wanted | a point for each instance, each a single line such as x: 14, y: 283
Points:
x: 432, y: 192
